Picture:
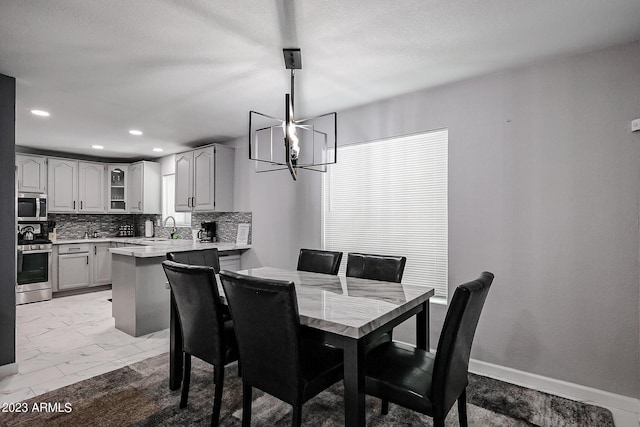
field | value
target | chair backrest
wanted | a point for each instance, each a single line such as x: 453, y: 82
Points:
x: 267, y: 326
x: 208, y: 257
x: 197, y: 299
x: 376, y: 267
x: 317, y: 261
x: 451, y: 365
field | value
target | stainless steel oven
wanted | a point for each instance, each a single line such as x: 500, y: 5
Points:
x: 32, y: 207
x: 34, y: 272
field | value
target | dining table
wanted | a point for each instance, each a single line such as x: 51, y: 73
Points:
x: 347, y: 312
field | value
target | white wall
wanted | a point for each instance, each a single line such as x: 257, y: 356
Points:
x: 271, y: 198
x: 544, y: 178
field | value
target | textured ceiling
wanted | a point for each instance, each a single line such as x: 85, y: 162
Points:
x: 189, y: 71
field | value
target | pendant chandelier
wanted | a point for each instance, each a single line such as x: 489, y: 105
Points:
x: 292, y: 143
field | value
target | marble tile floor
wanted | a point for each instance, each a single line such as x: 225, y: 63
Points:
x: 70, y: 339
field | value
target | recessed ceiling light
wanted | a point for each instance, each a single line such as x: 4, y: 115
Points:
x: 40, y: 113
x: 158, y: 150
x: 135, y: 132
x: 97, y: 147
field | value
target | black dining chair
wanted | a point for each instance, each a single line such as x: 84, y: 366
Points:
x: 427, y: 383
x: 205, y: 333
x: 387, y: 268
x: 376, y: 267
x: 208, y: 257
x: 274, y: 357
x: 317, y: 261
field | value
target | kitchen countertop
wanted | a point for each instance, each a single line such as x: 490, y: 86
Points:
x: 154, y: 247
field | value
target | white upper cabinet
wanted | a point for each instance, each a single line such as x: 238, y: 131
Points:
x: 75, y: 186
x: 91, y: 187
x: 204, y: 180
x: 117, y: 184
x: 184, y: 181
x: 63, y: 185
x: 204, y: 168
x: 145, y: 188
x: 32, y: 173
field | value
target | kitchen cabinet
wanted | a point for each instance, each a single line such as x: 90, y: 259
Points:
x: 82, y: 265
x: 117, y: 182
x: 90, y: 187
x: 63, y: 185
x: 101, y: 264
x: 145, y: 188
x: 75, y: 186
x: 184, y: 181
x: 73, y: 266
x: 204, y: 180
x: 31, y: 173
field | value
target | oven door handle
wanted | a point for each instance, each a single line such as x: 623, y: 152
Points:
x: 38, y: 251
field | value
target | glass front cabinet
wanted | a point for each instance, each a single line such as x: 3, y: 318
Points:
x: 117, y: 176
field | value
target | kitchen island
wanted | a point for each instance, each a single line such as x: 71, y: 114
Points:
x: 141, y: 300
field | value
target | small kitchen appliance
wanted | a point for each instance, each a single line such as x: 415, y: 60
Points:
x: 32, y: 207
x: 207, y: 233
x: 148, y: 228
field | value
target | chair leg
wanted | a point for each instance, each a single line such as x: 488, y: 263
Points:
x: 384, y: 408
x: 218, y: 375
x: 462, y: 408
x: 246, y: 404
x: 186, y: 380
x: 296, y: 419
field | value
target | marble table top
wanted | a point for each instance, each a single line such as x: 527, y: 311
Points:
x: 347, y: 306
x: 159, y: 248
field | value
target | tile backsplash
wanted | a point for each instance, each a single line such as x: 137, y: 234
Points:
x: 73, y: 226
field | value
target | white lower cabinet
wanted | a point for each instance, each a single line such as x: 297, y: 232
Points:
x: 83, y: 265
x: 101, y: 264
x: 73, y: 267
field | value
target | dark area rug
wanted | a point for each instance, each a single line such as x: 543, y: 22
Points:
x: 138, y: 395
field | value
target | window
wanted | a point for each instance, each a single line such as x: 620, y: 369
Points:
x: 389, y: 197
x: 183, y: 219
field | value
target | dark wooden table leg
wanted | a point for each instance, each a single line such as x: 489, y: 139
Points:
x: 422, y: 327
x: 175, y: 349
x: 354, y: 410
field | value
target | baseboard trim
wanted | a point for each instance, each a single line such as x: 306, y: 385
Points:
x: 558, y: 387
x: 8, y: 370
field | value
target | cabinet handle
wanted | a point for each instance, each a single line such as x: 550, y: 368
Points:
x: 139, y: 207
x: 188, y: 202
x: 193, y: 202
x: 95, y: 250
x: 74, y: 204
x: 73, y: 249
x: 80, y: 204
x: 87, y: 259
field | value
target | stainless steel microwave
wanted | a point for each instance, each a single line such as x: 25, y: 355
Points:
x: 32, y: 207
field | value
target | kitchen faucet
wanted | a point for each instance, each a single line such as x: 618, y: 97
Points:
x: 173, y: 230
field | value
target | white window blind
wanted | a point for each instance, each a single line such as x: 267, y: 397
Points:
x: 389, y: 197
